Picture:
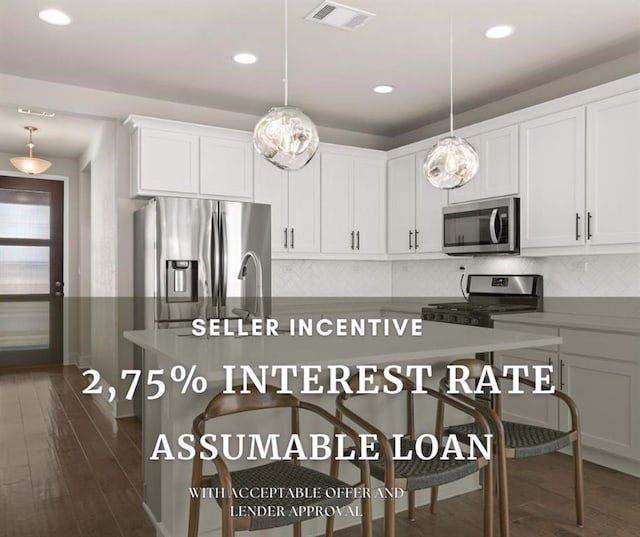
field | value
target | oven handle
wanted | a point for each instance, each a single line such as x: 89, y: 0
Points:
x: 492, y: 226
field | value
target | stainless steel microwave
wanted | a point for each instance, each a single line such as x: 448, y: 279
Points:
x: 482, y: 228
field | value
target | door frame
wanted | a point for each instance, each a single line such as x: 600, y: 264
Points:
x: 66, y: 358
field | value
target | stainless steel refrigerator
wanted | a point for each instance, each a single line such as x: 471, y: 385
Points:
x: 196, y: 258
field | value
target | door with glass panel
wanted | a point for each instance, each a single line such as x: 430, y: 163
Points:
x: 31, y: 286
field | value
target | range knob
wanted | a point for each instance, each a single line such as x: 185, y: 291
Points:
x: 465, y: 320
x: 474, y: 322
x: 438, y: 317
x: 451, y: 318
x: 430, y: 316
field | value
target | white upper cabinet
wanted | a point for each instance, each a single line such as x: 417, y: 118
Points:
x: 498, y: 172
x: 171, y: 158
x: 304, y: 208
x: 295, y: 205
x: 552, y: 174
x: 370, y: 211
x: 165, y: 162
x: 613, y: 170
x: 415, y: 208
x: 353, y: 204
x: 338, y: 234
x: 271, y: 187
x: 401, y: 207
x: 430, y: 200
x: 226, y: 167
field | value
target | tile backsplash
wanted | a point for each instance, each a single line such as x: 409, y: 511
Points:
x: 564, y: 276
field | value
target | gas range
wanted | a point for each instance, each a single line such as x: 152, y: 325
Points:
x: 487, y: 295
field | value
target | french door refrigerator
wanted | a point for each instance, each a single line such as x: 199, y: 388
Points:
x: 200, y: 258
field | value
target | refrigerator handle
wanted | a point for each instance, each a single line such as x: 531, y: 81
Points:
x: 223, y: 263
x: 216, y: 262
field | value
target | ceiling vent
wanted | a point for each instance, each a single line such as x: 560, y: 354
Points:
x: 339, y: 16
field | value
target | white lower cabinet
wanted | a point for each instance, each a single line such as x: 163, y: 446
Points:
x: 540, y: 410
x: 295, y: 205
x: 600, y: 371
x: 607, y: 393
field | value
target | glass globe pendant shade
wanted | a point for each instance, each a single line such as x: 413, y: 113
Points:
x: 451, y: 163
x: 286, y: 137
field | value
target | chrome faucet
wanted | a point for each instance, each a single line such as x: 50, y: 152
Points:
x: 242, y: 275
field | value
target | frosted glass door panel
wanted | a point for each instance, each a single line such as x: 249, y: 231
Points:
x: 24, y: 270
x: 24, y: 214
x: 24, y: 325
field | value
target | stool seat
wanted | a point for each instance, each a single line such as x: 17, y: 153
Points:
x: 419, y: 474
x: 525, y: 440
x: 284, y: 509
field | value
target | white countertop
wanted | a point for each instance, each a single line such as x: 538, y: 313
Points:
x: 626, y: 325
x: 439, y: 340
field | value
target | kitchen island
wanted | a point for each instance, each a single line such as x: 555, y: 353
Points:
x: 167, y: 481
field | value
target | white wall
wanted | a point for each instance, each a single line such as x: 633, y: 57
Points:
x: 564, y: 276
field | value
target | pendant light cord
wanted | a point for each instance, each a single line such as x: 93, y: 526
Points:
x: 451, y: 74
x: 286, y: 53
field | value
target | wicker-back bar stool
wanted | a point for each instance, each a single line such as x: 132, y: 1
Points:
x: 277, y: 474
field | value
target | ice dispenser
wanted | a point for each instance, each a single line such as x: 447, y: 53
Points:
x: 182, y: 281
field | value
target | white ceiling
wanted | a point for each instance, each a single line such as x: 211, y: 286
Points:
x: 181, y: 51
x: 62, y: 136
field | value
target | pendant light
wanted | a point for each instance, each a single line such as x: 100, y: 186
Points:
x: 453, y: 161
x: 30, y: 165
x: 286, y: 137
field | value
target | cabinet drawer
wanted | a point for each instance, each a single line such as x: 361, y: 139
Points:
x: 532, y: 328
x: 601, y: 344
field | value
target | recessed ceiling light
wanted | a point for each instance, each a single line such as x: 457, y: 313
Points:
x: 500, y: 31
x: 245, y: 58
x: 384, y: 88
x: 54, y: 16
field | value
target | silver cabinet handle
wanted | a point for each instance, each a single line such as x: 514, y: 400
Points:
x: 561, y: 374
x: 577, y: 227
x: 293, y: 238
x: 410, y: 239
x: 286, y: 238
x: 589, y: 234
x: 416, y: 241
x: 352, y: 240
x: 357, y: 240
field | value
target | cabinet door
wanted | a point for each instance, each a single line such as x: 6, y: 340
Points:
x: 499, y: 162
x: 168, y: 162
x: 369, y: 189
x: 226, y: 168
x: 552, y: 174
x: 613, y: 169
x: 474, y: 189
x: 540, y: 410
x: 401, y: 191
x: 607, y: 393
x: 337, y: 203
x: 304, y: 209
x: 429, y: 204
x: 270, y: 187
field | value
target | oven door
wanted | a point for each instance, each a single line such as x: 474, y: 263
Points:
x: 486, y: 227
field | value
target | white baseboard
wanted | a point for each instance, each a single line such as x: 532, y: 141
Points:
x: 614, y: 462
x: 161, y: 530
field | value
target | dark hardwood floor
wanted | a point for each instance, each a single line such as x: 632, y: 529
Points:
x: 68, y: 469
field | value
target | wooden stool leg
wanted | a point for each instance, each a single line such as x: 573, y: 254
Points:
x: 504, y: 495
x: 488, y: 499
x: 389, y: 516
x: 328, y: 532
x: 367, y: 518
x: 412, y: 506
x: 297, y: 529
x: 579, y: 481
x: 434, y: 500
